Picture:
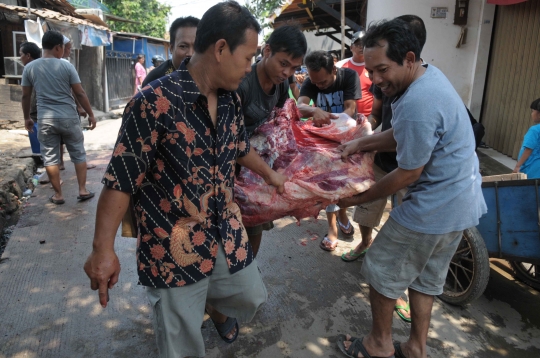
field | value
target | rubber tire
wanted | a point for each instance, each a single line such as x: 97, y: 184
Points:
x: 480, y: 270
x: 523, y: 276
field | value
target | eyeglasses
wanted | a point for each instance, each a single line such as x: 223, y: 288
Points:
x: 358, y: 44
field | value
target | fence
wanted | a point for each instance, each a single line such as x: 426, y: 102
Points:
x: 120, y: 77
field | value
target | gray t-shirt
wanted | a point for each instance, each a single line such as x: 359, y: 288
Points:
x: 256, y: 104
x: 52, y: 79
x: 432, y: 129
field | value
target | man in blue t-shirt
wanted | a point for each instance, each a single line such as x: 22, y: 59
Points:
x: 437, y: 163
x: 529, y: 155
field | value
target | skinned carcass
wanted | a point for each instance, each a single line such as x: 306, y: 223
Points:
x: 308, y: 156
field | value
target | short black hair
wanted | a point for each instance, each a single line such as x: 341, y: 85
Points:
x: 139, y: 56
x: 188, y: 21
x: 316, y: 60
x: 289, y: 39
x: 51, y: 39
x: 399, y: 36
x: 32, y: 49
x: 227, y: 20
x: 536, y: 104
x: 417, y: 26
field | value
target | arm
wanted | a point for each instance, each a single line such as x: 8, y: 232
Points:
x: 295, y: 90
x: 320, y: 117
x: 382, y: 142
x: 80, y: 94
x: 526, y: 154
x: 388, y: 185
x: 26, y: 100
x: 80, y: 110
x: 375, y: 118
x: 253, y: 162
x: 102, y: 266
x: 350, y: 108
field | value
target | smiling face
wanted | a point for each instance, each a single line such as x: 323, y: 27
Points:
x: 322, y: 78
x: 280, y: 65
x: 386, y: 74
x: 183, y: 44
x: 236, y: 65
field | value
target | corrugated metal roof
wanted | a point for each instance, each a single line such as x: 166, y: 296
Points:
x: 49, y: 14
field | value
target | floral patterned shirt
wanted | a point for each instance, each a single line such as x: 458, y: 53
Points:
x: 179, y: 169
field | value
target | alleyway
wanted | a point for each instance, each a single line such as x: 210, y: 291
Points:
x: 48, y: 309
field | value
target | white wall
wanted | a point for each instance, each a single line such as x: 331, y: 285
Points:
x: 466, y: 66
x: 322, y: 42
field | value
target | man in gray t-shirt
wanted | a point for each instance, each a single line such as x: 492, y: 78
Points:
x: 436, y: 158
x: 53, y: 80
x: 266, y: 87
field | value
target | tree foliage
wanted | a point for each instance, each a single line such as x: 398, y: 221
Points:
x: 262, y: 9
x: 151, y: 16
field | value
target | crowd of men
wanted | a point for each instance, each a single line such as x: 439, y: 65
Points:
x: 185, y: 134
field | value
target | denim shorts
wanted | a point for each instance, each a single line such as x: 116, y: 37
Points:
x: 50, y: 134
x: 401, y: 258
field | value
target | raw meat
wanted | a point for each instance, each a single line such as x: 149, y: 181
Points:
x: 309, y: 157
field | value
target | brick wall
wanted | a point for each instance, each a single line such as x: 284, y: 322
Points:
x: 11, y: 115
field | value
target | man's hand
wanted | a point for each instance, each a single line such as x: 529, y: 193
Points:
x: 350, y: 148
x: 278, y: 180
x: 516, y: 169
x: 103, y: 269
x: 82, y: 112
x: 350, y: 201
x: 92, y: 122
x: 321, y: 117
x: 29, y: 125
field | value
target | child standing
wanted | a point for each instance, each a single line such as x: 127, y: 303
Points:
x: 529, y: 155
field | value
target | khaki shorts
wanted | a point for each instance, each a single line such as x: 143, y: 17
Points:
x: 52, y: 131
x: 179, y: 311
x: 401, y: 258
x: 370, y: 214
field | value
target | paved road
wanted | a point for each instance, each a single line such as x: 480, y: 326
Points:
x: 48, y: 309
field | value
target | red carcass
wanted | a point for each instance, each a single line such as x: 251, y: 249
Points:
x: 309, y: 157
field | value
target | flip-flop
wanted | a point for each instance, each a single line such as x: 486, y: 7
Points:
x: 399, y: 352
x: 225, y: 327
x: 332, y: 246
x: 354, y: 256
x: 90, y: 195
x: 356, y: 347
x: 407, y: 309
x: 342, y: 228
x: 56, y: 201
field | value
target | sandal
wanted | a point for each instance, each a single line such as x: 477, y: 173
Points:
x: 56, y: 201
x: 327, y: 244
x: 356, y: 347
x: 407, y: 309
x: 84, y: 197
x: 399, y: 352
x: 345, y: 228
x: 226, y: 327
x: 353, y: 255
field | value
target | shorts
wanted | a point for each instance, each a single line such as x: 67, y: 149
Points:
x: 52, y: 131
x: 179, y: 311
x: 257, y: 230
x: 401, y: 258
x: 370, y: 214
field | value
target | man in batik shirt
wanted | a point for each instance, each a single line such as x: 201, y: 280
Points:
x: 176, y: 153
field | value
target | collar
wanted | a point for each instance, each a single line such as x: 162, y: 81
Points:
x: 357, y: 63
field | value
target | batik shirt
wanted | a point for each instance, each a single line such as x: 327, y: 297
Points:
x: 179, y: 169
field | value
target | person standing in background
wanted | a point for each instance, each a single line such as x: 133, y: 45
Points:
x: 529, y: 155
x: 140, y: 73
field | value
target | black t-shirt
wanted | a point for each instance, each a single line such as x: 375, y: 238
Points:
x: 162, y: 70
x: 256, y: 104
x: 385, y: 160
x: 332, y: 99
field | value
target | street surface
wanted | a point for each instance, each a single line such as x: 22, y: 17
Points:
x: 48, y: 309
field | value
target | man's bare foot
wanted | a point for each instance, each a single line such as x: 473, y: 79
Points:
x: 365, y: 343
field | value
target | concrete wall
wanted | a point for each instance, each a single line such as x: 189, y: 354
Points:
x: 465, y: 67
x: 11, y: 115
x: 91, y: 73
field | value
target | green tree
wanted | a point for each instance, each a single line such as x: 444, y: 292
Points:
x: 262, y: 9
x: 151, y: 16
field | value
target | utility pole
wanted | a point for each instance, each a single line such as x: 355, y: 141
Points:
x: 28, y: 6
x: 342, y: 29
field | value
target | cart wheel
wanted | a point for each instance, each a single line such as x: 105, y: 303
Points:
x: 468, y: 274
x: 526, y: 272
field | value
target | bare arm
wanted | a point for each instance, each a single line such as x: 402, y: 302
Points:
x: 102, y: 266
x: 375, y: 118
x: 350, y: 107
x: 382, y: 142
x: 320, y: 117
x: 80, y: 94
x: 254, y: 162
x: 26, y: 102
x: 295, y: 90
x: 388, y: 185
x: 526, y: 154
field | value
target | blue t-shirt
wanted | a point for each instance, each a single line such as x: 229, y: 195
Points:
x: 432, y: 129
x: 531, y: 167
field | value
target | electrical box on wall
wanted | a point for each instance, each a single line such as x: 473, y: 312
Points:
x: 462, y: 11
x: 439, y: 12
